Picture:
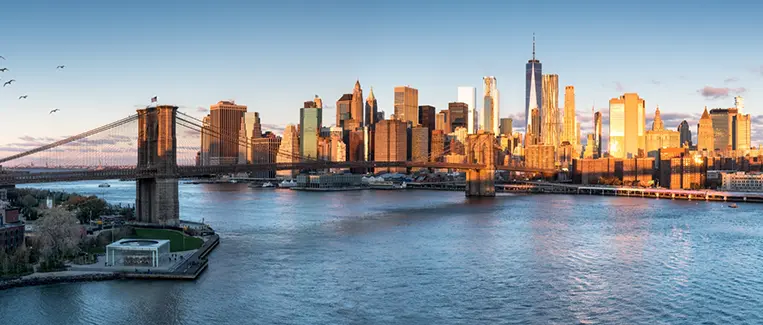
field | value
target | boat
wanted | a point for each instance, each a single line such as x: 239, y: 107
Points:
x: 287, y: 184
x: 268, y: 184
x: 104, y: 185
x: 386, y: 185
x: 733, y: 205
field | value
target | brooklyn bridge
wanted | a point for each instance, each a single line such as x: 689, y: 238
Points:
x: 164, y: 152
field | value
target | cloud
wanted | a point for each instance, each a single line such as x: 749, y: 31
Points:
x: 655, y: 82
x: 275, y: 128
x: 11, y: 149
x: 730, y: 80
x: 201, y: 109
x: 716, y: 93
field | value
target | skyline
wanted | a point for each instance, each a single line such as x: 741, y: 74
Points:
x: 192, y: 62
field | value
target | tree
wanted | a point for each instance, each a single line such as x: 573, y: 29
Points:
x: 29, y: 201
x: 60, y: 235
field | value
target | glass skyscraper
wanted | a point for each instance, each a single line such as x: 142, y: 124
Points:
x: 533, y: 88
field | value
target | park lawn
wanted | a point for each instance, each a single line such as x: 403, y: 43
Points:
x: 175, y: 238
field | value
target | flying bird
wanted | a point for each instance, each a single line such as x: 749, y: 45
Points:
x: 53, y: 111
x: 3, y: 69
x: 60, y: 67
x: 22, y: 97
x: 8, y: 82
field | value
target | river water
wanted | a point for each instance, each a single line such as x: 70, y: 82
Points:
x: 427, y: 257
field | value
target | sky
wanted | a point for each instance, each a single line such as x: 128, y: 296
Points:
x: 274, y: 55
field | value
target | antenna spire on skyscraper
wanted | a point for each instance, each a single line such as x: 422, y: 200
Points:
x: 533, y: 46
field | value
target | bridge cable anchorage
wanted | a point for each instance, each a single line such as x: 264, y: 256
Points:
x: 80, y: 136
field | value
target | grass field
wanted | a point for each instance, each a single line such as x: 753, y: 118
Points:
x: 175, y: 237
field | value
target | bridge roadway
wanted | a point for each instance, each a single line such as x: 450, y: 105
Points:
x: 194, y: 171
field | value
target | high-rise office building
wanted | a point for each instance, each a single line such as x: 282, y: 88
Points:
x: 568, y: 131
x: 457, y: 115
x: 722, y: 128
x: 492, y: 107
x: 437, y: 146
x: 626, y: 126
x: 741, y: 125
x: 533, y: 87
x: 343, y: 109
x: 391, y: 144
x: 705, y: 136
x: 206, y: 141
x: 658, y: 137
x: 420, y: 144
x: 685, y: 132
x: 310, y: 123
x: 550, y: 112
x: 356, y: 107
x: 468, y: 95
x: 739, y: 103
x: 442, y: 122
x: 288, y: 150
x: 407, y: 104
x: 427, y: 116
x: 253, y: 130
x: 265, y: 150
x: 506, y: 126
x: 597, y: 126
x: 533, y: 134
x: 372, y: 109
x: 225, y: 119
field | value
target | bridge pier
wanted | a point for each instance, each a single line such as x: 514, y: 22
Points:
x: 156, y: 190
x: 480, y: 150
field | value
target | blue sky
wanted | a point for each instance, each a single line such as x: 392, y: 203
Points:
x: 274, y: 55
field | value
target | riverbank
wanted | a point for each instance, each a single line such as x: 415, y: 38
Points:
x: 191, y: 268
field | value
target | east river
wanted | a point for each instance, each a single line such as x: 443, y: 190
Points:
x: 426, y: 257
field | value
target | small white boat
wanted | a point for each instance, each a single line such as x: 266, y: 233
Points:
x: 733, y: 205
x: 233, y: 181
x: 268, y: 184
x: 287, y: 184
x: 104, y: 185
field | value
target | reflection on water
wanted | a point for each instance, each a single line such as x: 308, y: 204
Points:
x: 410, y: 257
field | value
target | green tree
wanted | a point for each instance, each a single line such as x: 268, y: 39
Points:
x: 29, y: 201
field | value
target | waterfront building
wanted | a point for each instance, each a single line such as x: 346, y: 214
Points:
x: 626, y: 126
x: 391, y: 143
x: 533, y: 88
x: 437, y: 146
x: 705, y: 136
x: 492, y: 108
x: 138, y: 252
x: 685, y: 172
x: 225, y: 120
x: 372, y: 109
x: 597, y: 126
x: 568, y: 130
x: 427, y: 116
x: 329, y: 181
x: 356, y: 106
x: 310, y: 123
x: 506, y: 127
x: 419, y: 144
x: 407, y: 104
x: 628, y: 171
x: 550, y: 112
x: 742, y: 182
x: 457, y: 115
x: 343, y: 109
x: 685, y: 134
x: 442, y: 122
x: 11, y: 228
x: 539, y: 156
x: 658, y: 137
x: 265, y: 151
x: 468, y: 95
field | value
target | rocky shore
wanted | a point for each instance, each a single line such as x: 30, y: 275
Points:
x: 58, y: 277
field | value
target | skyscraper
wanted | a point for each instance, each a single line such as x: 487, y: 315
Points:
x: 658, y: 137
x: 468, y: 95
x: 391, y: 143
x: 225, y: 119
x: 626, y: 126
x: 427, y: 116
x: 550, y: 112
x: 533, y: 134
x: 288, y: 150
x: 206, y: 141
x: 705, y: 136
x: 356, y: 107
x: 722, y: 128
x: 533, y: 90
x: 420, y: 144
x: 407, y: 104
x: 742, y: 133
x: 597, y: 122
x: 685, y: 132
x: 568, y: 131
x: 310, y: 122
x: 442, y: 122
x: 372, y: 109
x: 343, y: 109
x: 492, y: 107
x: 457, y: 114
x: 506, y: 126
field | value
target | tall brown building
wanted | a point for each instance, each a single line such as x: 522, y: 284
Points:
x: 427, y: 116
x: 391, y: 143
x: 372, y: 109
x: 442, y: 122
x: 533, y: 135
x: 457, y: 113
x: 705, y: 136
x: 356, y: 108
x: 343, y: 109
x: 420, y: 144
x: 225, y: 118
x: 206, y: 141
x: 288, y: 150
x: 437, y: 146
x: 265, y: 151
x: 407, y: 104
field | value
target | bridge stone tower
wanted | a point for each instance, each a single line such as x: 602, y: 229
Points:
x: 480, y: 149
x: 156, y: 197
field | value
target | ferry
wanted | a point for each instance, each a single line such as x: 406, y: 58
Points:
x: 287, y: 184
x: 104, y: 185
x: 386, y: 185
